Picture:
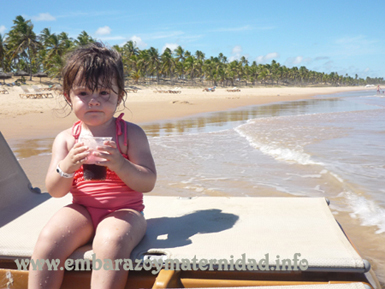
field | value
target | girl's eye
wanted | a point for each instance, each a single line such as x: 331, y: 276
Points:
x: 83, y: 93
x: 104, y: 92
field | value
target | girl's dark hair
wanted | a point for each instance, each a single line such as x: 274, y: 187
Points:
x: 97, y: 65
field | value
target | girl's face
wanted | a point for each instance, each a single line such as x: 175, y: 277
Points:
x: 94, y: 108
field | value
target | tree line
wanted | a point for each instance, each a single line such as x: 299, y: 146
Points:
x: 22, y: 49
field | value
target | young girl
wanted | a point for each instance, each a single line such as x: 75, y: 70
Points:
x: 108, y: 211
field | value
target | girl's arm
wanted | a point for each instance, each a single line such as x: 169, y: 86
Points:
x: 139, y: 171
x: 69, y: 157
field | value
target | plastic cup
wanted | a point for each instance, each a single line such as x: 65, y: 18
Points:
x: 91, y: 171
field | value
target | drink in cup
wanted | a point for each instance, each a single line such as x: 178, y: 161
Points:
x: 92, y: 171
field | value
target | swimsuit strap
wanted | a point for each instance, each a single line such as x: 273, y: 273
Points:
x: 76, y: 129
x: 119, y: 132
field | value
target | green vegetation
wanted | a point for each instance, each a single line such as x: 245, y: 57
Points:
x: 22, y: 49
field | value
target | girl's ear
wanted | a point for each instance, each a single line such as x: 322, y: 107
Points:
x: 120, y: 98
x: 68, y: 99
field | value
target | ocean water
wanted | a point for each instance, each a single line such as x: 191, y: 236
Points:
x: 329, y: 146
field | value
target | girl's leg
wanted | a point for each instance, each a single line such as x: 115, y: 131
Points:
x: 70, y: 228
x: 115, y: 238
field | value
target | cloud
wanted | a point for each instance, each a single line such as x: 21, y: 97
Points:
x: 161, y: 35
x: 172, y: 46
x: 233, y: 29
x: 2, y: 29
x: 357, y: 45
x: 77, y: 14
x: 367, y: 69
x: 353, y: 40
x: 242, y: 28
x: 103, y: 31
x: 139, y: 42
x: 190, y: 38
x: 237, y: 50
x: 266, y: 58
x: 43, y: 17
x: 328, y: 65
x: 293, y: 61
x: 321, y: 58
x: 235, y: 53
x: 297, y: 60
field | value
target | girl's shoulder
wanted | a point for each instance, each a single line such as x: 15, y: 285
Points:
x: 65, y: 134
x: 135, y: 134
x: 132, y: 128
x: 65, y: 138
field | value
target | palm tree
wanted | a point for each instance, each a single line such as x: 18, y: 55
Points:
x: 154, y: 62
x: 23, y: 41
x: 143, y: 62
x: 130, y: 49
x: 3, y: 50
x: 56, y: 46
x: 168, y: 63
x: 65, y: 41
x: 136, y: 65
x: 83, y: 39
x: 180, y: 58
x: 179, y: 53
x: 199, y: 55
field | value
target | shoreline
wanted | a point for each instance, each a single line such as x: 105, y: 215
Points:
x: 39, y: 118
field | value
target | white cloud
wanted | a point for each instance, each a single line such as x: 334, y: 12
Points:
x: 172, y: 46
x: 236, y: 53
x: 166, y: 34
x: 139, y: 42
x: 231, y: 29
x: 2, y: 29
x: 103, y: 31
x: 367, y: 69
x: 266, y: 58
x: 43, y: 17
x: 237, y: 50
x: 357, y: 45
x: 328, y: 66
x: 297, y: 60
x: 293, y: 61
x: 321, y: 58
x: 241, y: 28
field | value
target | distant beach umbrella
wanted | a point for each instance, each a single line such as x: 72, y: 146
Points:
x: 4, y: 76
x: 40, y: 74
x: 21, y: 73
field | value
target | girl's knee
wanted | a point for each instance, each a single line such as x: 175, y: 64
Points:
x: 49, y: 236
x: 112, y: 238
x: 119, y: 233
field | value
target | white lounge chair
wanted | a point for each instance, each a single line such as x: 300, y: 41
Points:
x: 41, y: 92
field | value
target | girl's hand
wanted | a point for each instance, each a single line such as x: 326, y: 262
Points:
x: 113, y: 158
x: 75, y: 158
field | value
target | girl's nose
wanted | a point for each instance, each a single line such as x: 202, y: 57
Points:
x: 94, y: 100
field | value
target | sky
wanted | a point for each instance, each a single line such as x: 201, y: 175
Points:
x: 346, y: 37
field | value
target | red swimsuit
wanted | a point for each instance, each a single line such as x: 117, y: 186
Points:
x: 105, y: 196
